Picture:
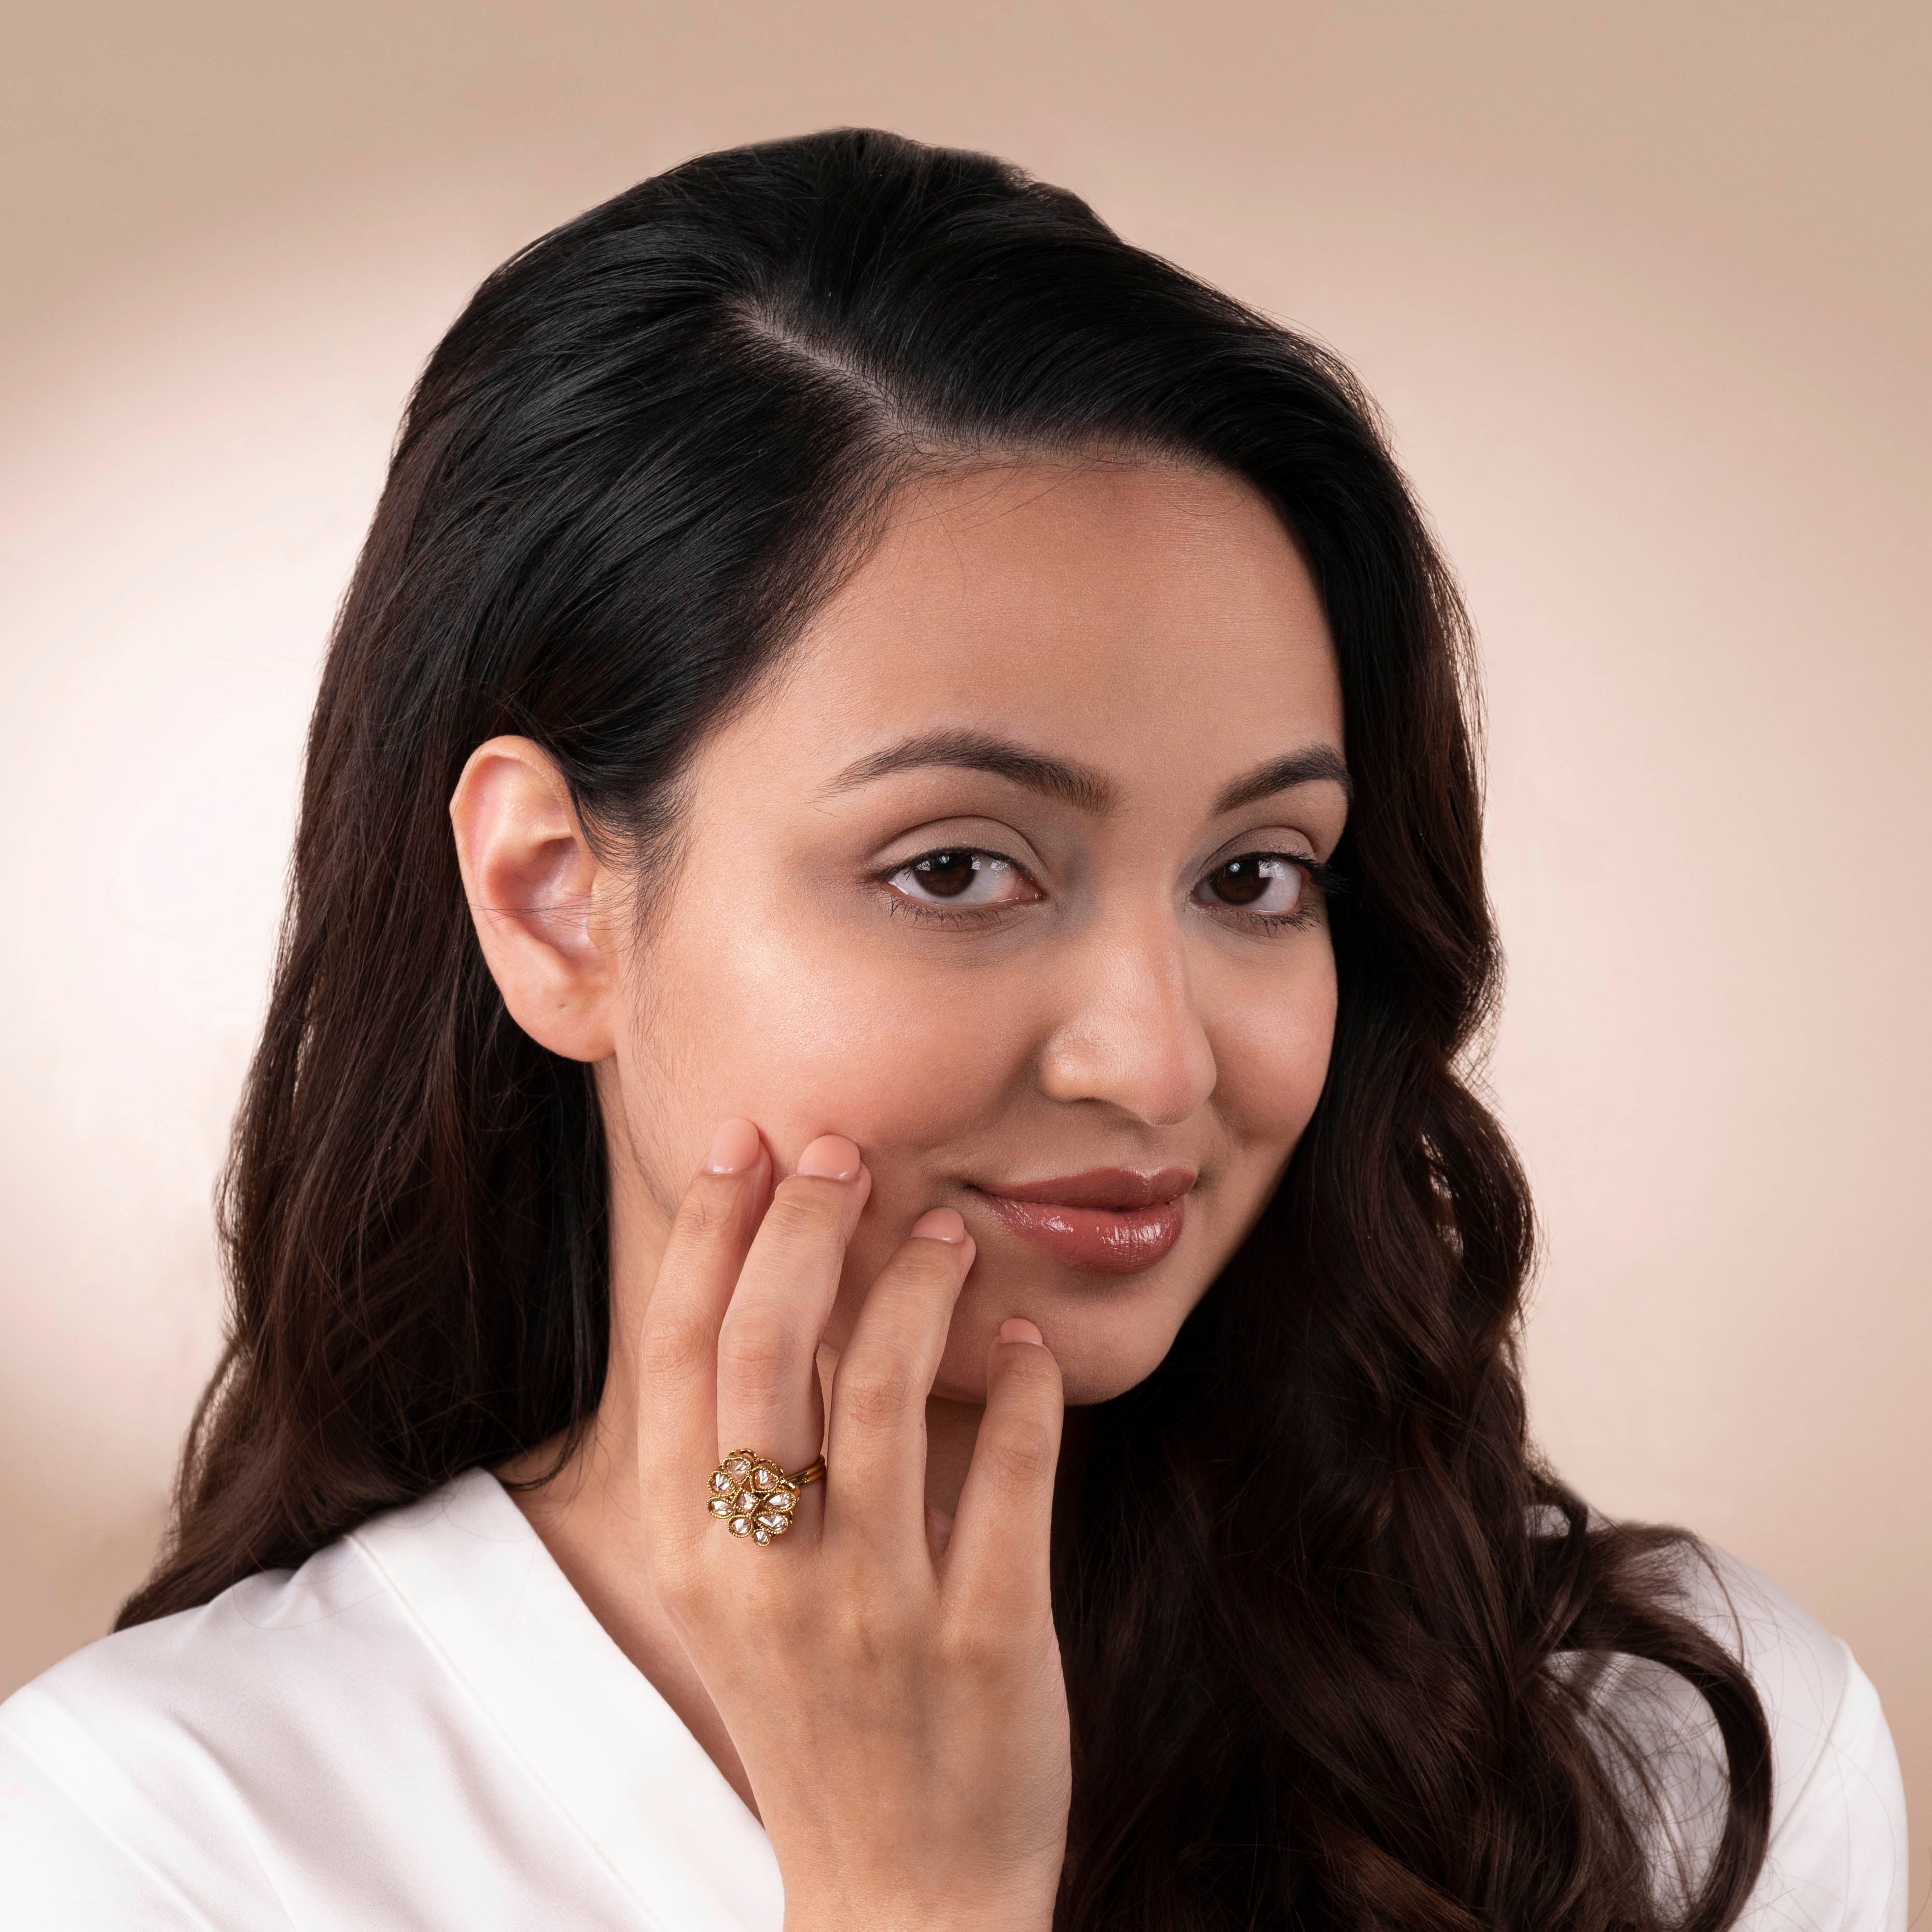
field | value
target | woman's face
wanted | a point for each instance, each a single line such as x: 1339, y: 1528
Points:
x: 1002, y: 875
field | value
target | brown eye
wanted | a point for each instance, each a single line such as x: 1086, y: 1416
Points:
x: 945, y: 875
x: 963, y: 879
x: 1266, y: 882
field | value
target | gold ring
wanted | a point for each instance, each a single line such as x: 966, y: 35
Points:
x: 752, y: 1496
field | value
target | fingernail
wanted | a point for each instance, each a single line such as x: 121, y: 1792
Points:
x: 734, y: 1149
x: 940, y: 1224
x: 1019, y: 1331
x: 830, y: 1157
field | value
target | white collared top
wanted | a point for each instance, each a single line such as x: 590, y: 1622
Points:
x: 424, y: 1726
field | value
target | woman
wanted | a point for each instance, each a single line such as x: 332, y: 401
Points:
x: 889, y: 888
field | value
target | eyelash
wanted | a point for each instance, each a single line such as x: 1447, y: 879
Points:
x: 1323, y: 879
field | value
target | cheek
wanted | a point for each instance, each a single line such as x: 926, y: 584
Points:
x: 808, y: 1034
x: 1271, y: 1050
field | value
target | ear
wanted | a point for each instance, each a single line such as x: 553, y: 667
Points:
x: 538, y: 897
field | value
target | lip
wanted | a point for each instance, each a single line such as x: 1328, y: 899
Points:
x: 1108, y: 1220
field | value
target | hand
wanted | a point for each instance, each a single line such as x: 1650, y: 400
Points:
x: 902, y: 1721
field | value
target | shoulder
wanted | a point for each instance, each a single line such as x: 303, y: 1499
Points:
x: 212, y: 1764
x: 1837, y: 1853
x: 377, y: 1737
x: 123, y: 1769
x: 1837, y: 1857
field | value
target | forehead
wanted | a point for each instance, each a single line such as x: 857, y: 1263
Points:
x: 1142, y: 618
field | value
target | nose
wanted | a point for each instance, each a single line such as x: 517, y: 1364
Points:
x: 1128, y: 1034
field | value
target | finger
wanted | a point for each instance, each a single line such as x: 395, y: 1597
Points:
x: 768, y: 1398
x: 677, y: 1340
x: 877, y: 1435
x: 998, y: 1561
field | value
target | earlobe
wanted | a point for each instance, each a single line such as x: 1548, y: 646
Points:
x: 536, y: 893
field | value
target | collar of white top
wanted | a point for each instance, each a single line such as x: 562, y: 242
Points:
x: 491, y: 1603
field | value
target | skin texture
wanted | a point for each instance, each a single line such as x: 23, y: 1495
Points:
x: 789, y: 996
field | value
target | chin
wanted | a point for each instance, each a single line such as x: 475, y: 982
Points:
x: 1102, y: 1350
x: 1088, y: 1377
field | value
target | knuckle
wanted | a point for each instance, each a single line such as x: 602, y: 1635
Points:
x: 932, y: 1266
x: 875, y: 1395
x: 804, y: 1209
x: 1031, y: 1374
x: 1020, y: 1457
x: 666, y: 1350
x: 974, y: 1648
x: 706, y: 1212
x: 874, y: 1630
x: 757, y: 1354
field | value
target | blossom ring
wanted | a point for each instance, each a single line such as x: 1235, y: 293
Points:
x: 754, y: 1498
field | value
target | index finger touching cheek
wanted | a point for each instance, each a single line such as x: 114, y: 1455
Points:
x: 677, y: 1342
x: 768, y: 1396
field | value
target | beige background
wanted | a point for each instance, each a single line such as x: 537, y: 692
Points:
x: 1643, y: 288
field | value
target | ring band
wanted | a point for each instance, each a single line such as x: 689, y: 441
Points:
x: 753, y: 1497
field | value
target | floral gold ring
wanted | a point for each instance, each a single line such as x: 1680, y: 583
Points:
x: 754, y: 1498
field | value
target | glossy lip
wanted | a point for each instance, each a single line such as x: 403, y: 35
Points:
x: 1108, y: 1220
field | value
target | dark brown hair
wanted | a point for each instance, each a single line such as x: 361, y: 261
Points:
x: 1328, y: 1624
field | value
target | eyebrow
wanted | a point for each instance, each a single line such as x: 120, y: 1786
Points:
x: 1318, y: 764
x: 1076, y: 785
